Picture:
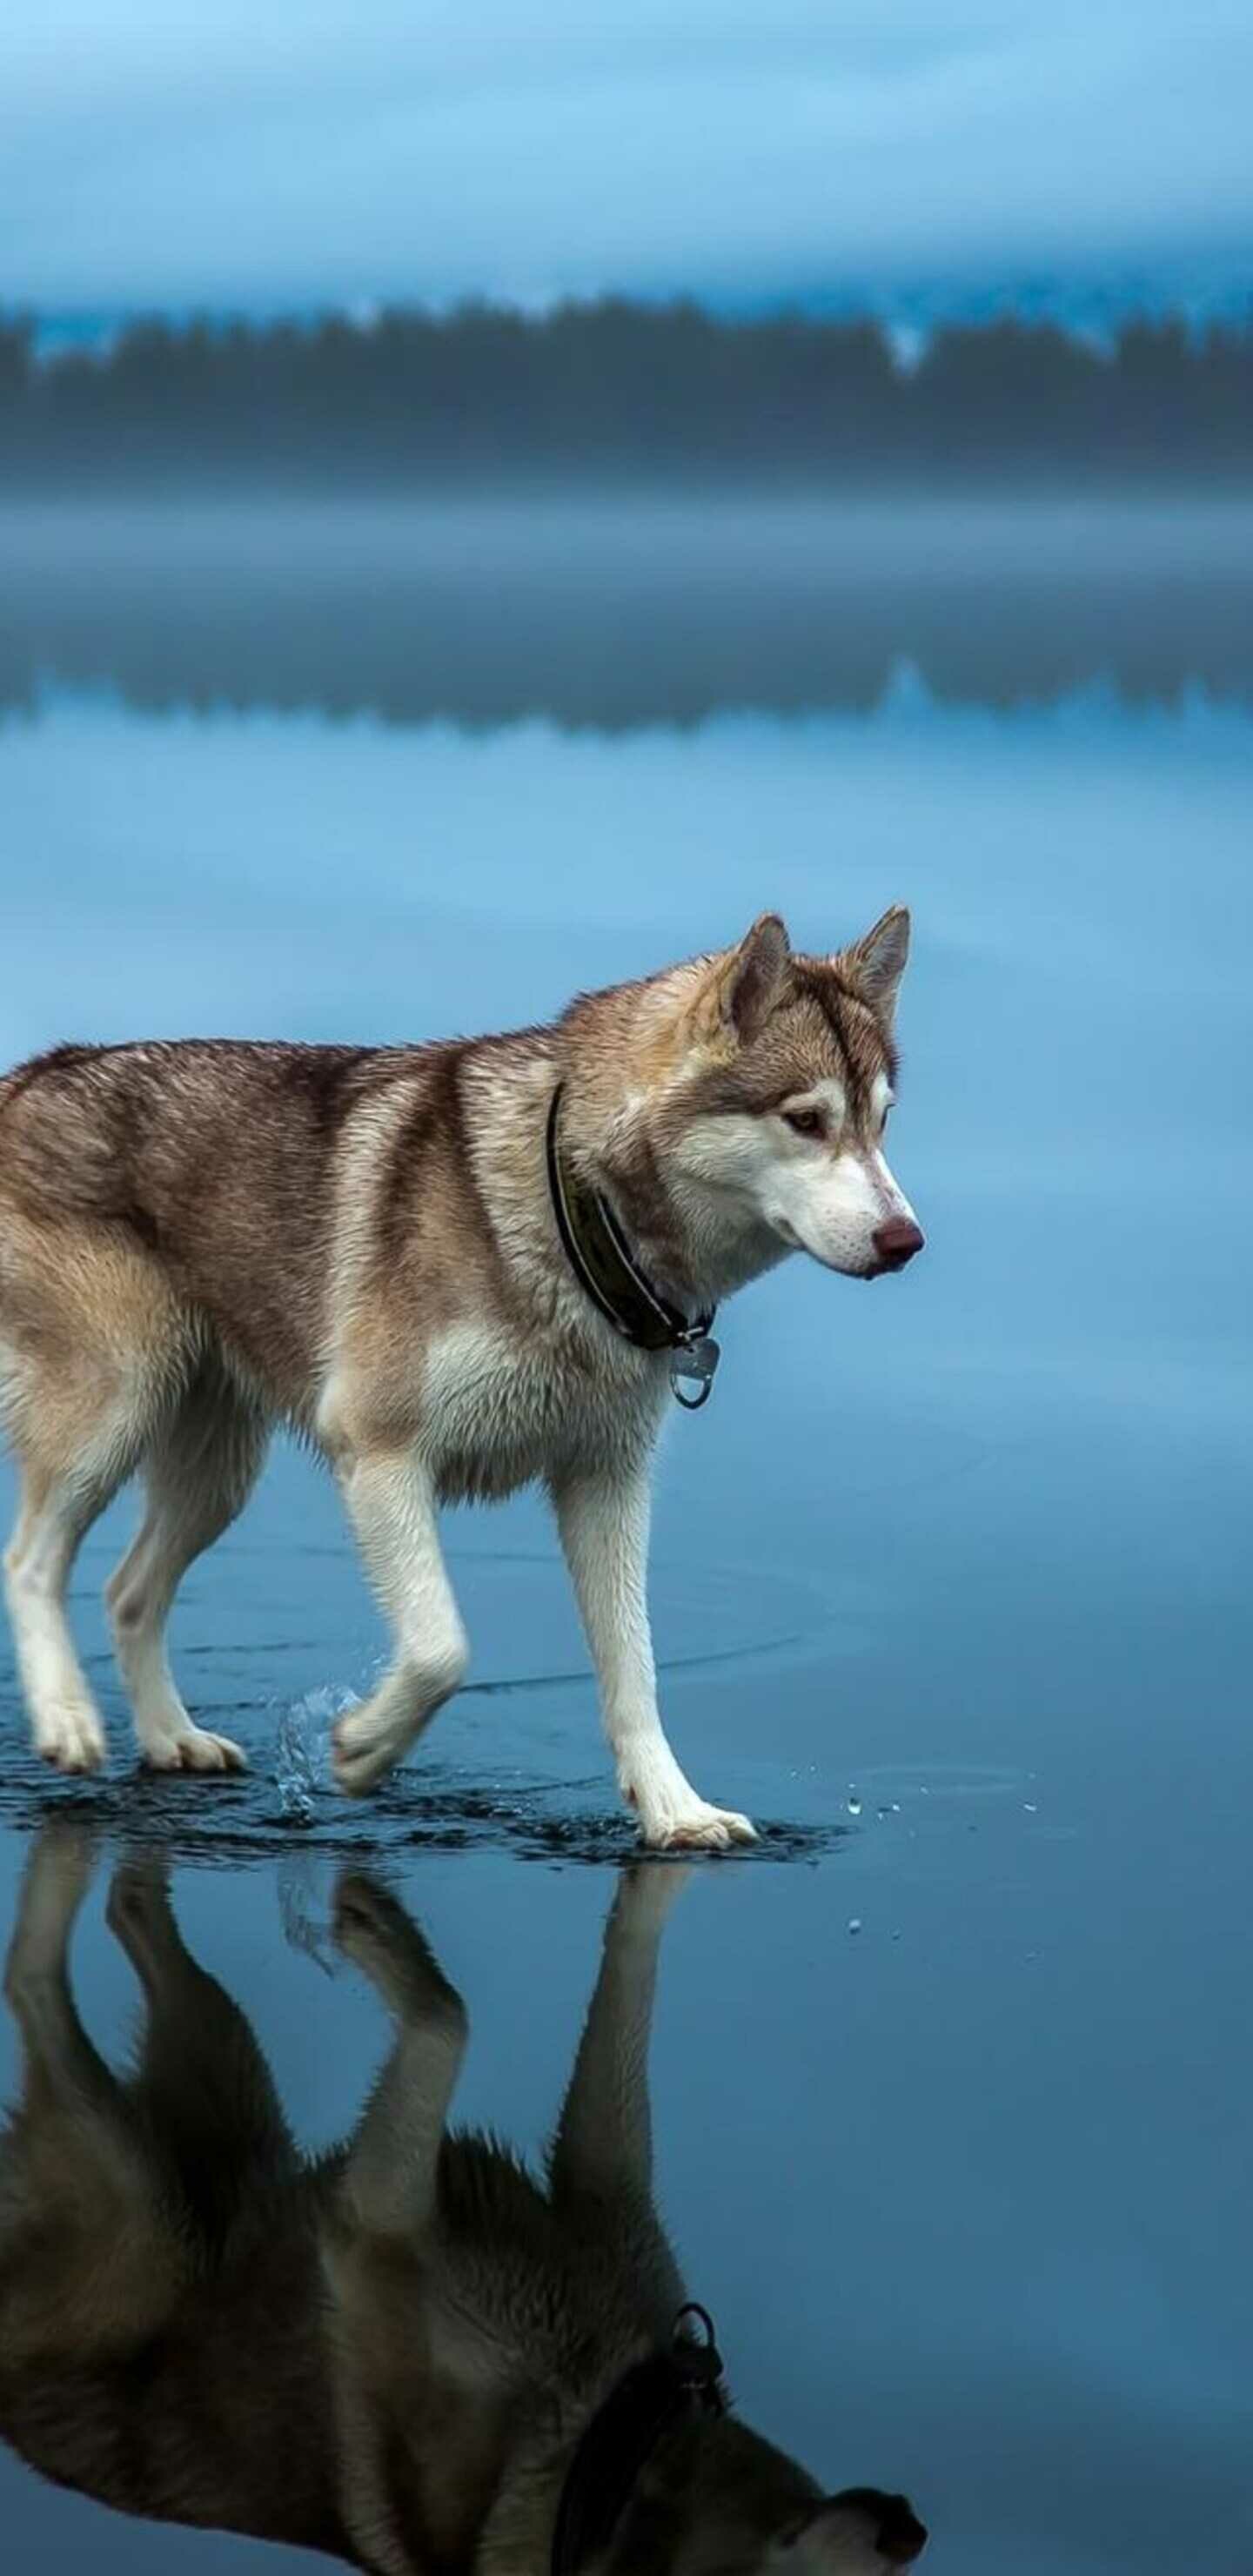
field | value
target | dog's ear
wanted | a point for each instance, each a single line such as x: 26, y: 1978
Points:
x: 875, y: 964
x: 858, y: 2533
x: 747, y: 983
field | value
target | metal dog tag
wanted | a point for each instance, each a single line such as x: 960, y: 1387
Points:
x: 692, y: 1365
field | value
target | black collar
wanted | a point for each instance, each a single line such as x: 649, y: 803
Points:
x: 658, y: 2394
x: 605, y: 1266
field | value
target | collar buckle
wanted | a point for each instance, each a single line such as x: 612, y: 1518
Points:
x: 699, y: 2364
x: 693, y: 1363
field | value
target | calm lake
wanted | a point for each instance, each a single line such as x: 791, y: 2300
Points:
x: 953, y: 2077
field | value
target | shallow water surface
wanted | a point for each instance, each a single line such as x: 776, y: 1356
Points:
x: 952, y: 2078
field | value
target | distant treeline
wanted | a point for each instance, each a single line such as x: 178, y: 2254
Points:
x: 616, y: 390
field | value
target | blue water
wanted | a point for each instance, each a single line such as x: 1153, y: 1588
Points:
x: 953, y: 2081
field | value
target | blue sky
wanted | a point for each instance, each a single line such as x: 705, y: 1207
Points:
x: 246, y: 153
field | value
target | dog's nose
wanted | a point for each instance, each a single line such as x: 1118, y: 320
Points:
x: 902, y: 2538
x: 899, y: 2538
x: 898, y: 1241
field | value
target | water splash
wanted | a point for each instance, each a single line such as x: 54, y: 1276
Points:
x: 304, y: 1907
x: 300, y: 1749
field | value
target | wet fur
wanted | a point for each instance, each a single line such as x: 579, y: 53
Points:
x: 388, y: 2353
x: 199, y: 1240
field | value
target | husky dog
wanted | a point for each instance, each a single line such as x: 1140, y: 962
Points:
x: 409, y: 2354
x: 455, y: 1269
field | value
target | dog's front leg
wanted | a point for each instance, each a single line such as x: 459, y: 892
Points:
x: 391, y: 2176
x: 603, y: 1519
x: 380, y: 2257
x: 603, y: 2149
x: 391, y: 1503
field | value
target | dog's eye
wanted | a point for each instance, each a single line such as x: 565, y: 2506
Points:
x: 803, y: 1122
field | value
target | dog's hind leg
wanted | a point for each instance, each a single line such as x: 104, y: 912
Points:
x: 61, y: 2065
x: 93, y: 1351
x: 88, y: 2256
x: 58, y: 1508
x: 198, y: 1475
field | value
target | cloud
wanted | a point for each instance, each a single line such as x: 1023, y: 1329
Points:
x: 263, y: 154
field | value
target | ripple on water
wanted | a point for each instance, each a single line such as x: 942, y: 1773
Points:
x: 263, y: 1622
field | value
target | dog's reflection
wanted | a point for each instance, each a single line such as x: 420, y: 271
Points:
x: 409, y: 2354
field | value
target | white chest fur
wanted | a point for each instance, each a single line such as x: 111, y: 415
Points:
x: 497, y: 1414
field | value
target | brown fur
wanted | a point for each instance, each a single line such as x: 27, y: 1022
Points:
x: 200, y: 1238
x: 388, y: 2354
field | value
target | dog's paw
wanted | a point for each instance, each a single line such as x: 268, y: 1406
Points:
x: 60, y: 1868
x: 138, y: 1910
x: 374, y: 1931
x: 138, y: 1888
x: 55, y: 1882
x: 366, y: 1911
x: 70, y: 1736
x: 699, y: 1828
x: 645, y: 1898
x: 192, y: 1749
x: 364, y: 1749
